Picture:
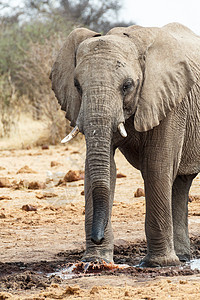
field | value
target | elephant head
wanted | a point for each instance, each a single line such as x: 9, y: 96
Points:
x: 100, y: 81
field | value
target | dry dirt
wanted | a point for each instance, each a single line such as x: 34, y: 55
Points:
x: 42, y: 232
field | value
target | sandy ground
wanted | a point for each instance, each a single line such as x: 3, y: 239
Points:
x: 42, y: 231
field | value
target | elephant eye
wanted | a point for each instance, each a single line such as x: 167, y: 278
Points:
x: 127, y: 86
x: 78, y: 86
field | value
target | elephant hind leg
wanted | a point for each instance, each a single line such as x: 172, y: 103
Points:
x: 180, y: 196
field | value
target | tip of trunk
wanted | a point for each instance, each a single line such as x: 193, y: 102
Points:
x: 97, y: 237
x: 101, y: 196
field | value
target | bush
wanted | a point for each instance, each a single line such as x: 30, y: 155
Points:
x: 7, y: 105
x: 33, y: 80
x: 26, y: 56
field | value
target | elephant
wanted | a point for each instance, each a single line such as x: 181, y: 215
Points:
x: 136, y: 89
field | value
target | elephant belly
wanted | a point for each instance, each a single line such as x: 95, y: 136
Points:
x: 190, y: 160
x: 189, y: 166
x: 131, y: 155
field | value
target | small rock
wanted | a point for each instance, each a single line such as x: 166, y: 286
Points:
x: 120, y: 175
x: 23, y: 183
x: 29, y: 207
x: 183, y: 281
x: 25, y: 169
x: 127, y: 294
x: 49, y: 177
x: 193, y: 198
x: 60, y: 182
x: 5, y: 198
x: 58, y: 177
x: 55, y: 163
x: 139, y: 193
x: 197, y: 214
x: 2, y: 168
x: 74, y: 176
x: 190, y: 198
x: 2, y: 216
x: 75, y: 152
x: 82, y: 193
x: 4, y: 182
x: 45, y: 195
x: 35, y: 185
x: 39, y: 196
x: 169, y: 281
x: 50, y: 195
x: 45, y: 147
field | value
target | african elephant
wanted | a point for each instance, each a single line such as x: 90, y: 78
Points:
x: 136, y: 89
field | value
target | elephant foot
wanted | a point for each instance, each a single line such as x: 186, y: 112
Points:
x: 152, y: 261
x: 94, y: 259
x: 98, y: 256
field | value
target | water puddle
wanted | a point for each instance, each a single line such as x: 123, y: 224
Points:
x: 66, y: 273
x: 89, y: 269
x: 194, y: 264
x: 80, y: 269
x: 196, y: 220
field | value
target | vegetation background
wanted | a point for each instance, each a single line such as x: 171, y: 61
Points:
x: 30, y: 38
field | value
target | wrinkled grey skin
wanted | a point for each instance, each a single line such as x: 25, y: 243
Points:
x: 148, y: 78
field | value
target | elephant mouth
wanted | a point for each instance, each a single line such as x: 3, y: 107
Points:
x: 76, y: 130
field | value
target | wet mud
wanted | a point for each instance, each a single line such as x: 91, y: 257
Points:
x: 42, y: 274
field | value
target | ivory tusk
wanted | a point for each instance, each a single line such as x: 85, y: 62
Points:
x: 71, y: 135
x: 122, y: 130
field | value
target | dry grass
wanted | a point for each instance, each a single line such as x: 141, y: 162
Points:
x: 29, y: 112
x: 34, y: 73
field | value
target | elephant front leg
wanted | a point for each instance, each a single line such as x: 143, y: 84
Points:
x: 180, y: 195
x: 105, y: 250
x: 158, y: 222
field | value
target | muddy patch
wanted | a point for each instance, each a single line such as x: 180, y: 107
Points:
x: 67, y: 265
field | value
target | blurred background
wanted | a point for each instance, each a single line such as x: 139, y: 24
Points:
x: 32, y: 32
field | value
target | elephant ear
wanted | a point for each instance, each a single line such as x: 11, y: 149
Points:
x: 167, y: 80
x: 62, y: 74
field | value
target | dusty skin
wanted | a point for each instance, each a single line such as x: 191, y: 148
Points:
x: 42, y: 231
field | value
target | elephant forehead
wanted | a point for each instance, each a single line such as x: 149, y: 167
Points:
x: 106, y: 44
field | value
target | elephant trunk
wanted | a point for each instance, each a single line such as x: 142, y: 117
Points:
x: 98, y: 135
x: 100, y: 214
x: 98, y: 155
